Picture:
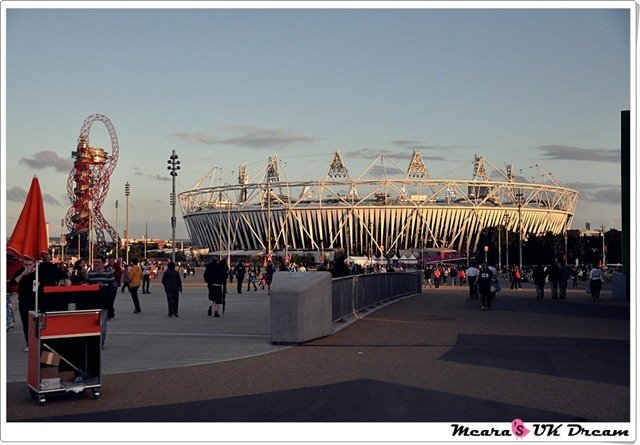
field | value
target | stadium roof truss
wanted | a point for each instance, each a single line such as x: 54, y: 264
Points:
x: 374, y: 216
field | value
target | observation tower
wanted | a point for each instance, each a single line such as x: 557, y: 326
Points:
x: 87, y: 187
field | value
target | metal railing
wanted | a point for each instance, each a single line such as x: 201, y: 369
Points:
x: 357, y: 293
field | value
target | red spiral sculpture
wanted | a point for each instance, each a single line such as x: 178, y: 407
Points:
x: 88, y: 184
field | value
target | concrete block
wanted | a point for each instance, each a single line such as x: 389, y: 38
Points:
x: 619, y: 286
x: 301, y: 306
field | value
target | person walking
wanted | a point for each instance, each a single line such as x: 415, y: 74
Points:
x: 485, y: 277
x: 172, y: 286
x: 24, y: 279
x: 126, y: 278
x: 563, y: 280
x: 239, y: 271
x: 136, y: 276
x: 268, y: 276
x: 215, y: 277
x: 574, y: 277
x: 253, y: 277
x: 596, y: 280
x: 472, y: 279
x: 516, y: 277
x: 539, y: 277
x: 146, y: 277
x: 13, y: 265
x: 553, y: 273
x: 224, y: 265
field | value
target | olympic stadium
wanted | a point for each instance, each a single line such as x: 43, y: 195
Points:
x: 373, y: 215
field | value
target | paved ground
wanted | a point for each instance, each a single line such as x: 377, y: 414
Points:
x: 434, y: 357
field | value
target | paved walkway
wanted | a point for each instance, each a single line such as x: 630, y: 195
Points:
x: 434, y: 357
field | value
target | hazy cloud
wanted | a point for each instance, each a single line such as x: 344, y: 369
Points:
x: 368, y: 153
x: 566, y: 152
x: 138, y: 174
x: 17, y: 194
x: 160, y: 178
x: 46, y: 159
x: 380, y: 171
x: 251, y: 137
x: 587, y: 185
x: 597, y: 192
x: 611, y: 196
x: 404, y: 143
x: 48, y: 199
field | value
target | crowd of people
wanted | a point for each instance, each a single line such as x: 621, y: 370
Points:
x: 114, y: 275
x: 557, y: 275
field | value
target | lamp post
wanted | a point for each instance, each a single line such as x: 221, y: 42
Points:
x: 519, y: 197
x: 499, y: 249
x: 127, y: 192
x: 174, y: 166
x: 117, y: 234
x: 507, y: 219
x: 63, y: 240
x: 604, y: 255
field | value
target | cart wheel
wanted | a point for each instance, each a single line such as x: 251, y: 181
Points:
x: 41, y: 401
x: 96, y: 393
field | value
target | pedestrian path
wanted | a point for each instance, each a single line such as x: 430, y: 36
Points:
x: 432, y: 357
x: 152, y: 340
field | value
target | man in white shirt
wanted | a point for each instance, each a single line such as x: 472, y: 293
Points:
x: 472, y: 279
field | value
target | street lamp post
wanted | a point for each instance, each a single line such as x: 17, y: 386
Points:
x: 174, y: 165
x: 127, y: 192
x: 519, y: 197
x: 507, y: 219
x: 604, y: 255
x: 117, y: 234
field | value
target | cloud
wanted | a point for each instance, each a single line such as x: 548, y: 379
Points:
x: 368, y: 153
x: 598, y: 192
x: 138, y: 174
x: 610, y: 195
x: 48, y: 199
x: 17, y: 194
x: 566, y: 152
x: 250, y: 137
x: 160, y: 178
x: 380, y: 171
x: 404, y: 143
x: 46, y: 159
x: 587, y: 185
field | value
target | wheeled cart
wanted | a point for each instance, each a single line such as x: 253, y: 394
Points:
x: 64, y: 353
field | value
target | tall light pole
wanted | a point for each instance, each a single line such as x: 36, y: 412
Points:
x: 174, y: 166
x: 499, y: 248
x: 127, y: 192
x: 519, y: 197
x: 507, y: 219
x: 117, y: 234
x: 63, y: 240
x: 604, y: 255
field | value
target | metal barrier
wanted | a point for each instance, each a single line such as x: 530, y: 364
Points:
x: 357, y: 293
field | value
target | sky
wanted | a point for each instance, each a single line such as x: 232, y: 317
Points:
x: 226, y: 86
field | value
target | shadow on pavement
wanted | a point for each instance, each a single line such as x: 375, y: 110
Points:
x: 361, y: 400
x: 598, y: 360
x: 567, y: 307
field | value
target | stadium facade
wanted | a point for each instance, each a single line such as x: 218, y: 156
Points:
x: 403, y: 209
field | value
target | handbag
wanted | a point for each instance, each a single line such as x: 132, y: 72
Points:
x: 495, y: 286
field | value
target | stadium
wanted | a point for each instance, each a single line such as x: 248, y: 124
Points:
x: 372, y: 215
